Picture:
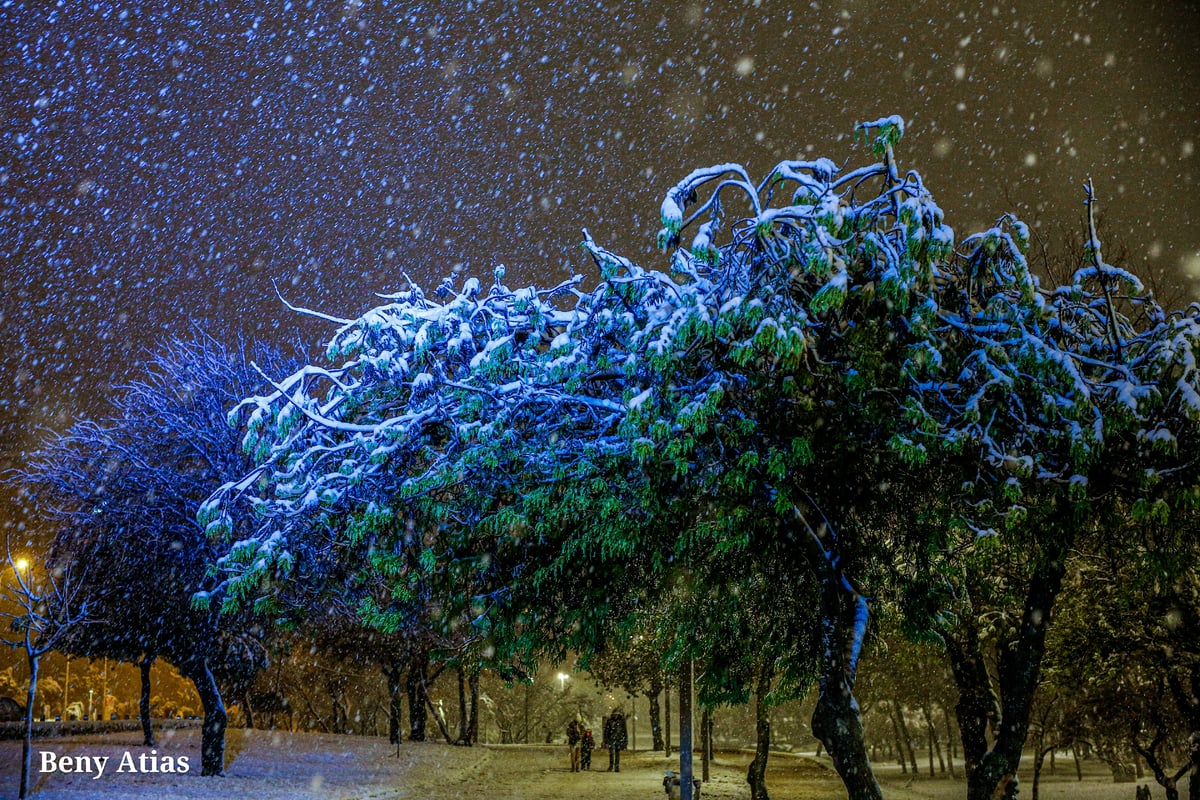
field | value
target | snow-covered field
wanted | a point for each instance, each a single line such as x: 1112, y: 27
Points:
x: 270, y: 765
x: 262, y: 765
x: 266, y: 765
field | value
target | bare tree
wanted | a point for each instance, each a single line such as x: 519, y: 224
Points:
x: 44, y: 609
x: 125, y: 490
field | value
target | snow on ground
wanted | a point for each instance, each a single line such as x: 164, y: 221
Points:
x: 274, y: 765
x: 261, y: 765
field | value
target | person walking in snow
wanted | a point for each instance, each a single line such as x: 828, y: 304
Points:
x: 586, y: 745
x: 574, y: 737
x: 616, y: 736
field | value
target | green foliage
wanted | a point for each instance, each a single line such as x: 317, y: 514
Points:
x: 567, y: 461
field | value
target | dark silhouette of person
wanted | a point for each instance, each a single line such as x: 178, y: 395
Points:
x: 574, y: 737
x: 616, y: 737
x: 586, y: 746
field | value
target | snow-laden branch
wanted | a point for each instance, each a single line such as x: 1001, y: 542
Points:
x: 436, y: 398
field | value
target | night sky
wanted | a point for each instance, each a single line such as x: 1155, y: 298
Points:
x: 161, y: 169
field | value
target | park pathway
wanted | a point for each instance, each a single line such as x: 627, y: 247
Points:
x: 543, y: 773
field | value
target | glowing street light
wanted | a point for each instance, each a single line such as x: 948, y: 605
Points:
x: 23, y: 568
x: 562, y: 681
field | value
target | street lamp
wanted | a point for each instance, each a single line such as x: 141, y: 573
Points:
x: 22, y: 566
x: 562, y: 681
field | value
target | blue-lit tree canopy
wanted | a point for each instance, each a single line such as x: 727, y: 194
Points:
x: 828, y: 453
x: 750, y: 401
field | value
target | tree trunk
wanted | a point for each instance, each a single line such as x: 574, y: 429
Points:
x: 935, y: 743
x: 395, y: 707
x: 705, y: 743
x: 416, y: 697
x: 907, y: 737
x: 756, y: 774
x: 929, y: 736
x: 656, y: 733
x: 336, y: 688
x: 976, y: 709
x: 144, y: 703
x: 667, y: 720
x: 441, y: 723
x: 686, y: 773
x: 1019, y: 665
x: 1194, y: 779
x: 949, y: 741
x: 463, y: 738
x: 27, y: 739
x: 1150, y: 753
x: 247, y: 710
x: 836, y: 720
x: 1039, y: 757
x: 525, y: 730
x: 212, y: 735
x: 899, y: 737
x: 473, y: 721
x: 314, y: 715
x: 1187, y: 699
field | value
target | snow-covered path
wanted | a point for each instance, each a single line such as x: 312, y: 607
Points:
x: 266, y: 765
